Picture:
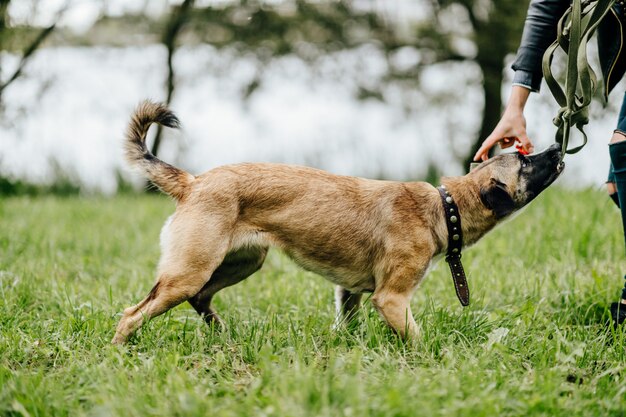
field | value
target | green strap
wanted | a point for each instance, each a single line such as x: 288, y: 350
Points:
x: 574, y: 30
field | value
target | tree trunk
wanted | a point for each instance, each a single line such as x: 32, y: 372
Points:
x: 175, y: 24
x: 4, y: 17
x: 492, y: 93
x: 28, y: 51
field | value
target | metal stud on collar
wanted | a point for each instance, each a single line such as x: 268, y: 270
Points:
x: 455, y: 243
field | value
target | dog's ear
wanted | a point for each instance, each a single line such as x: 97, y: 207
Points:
x: 495, y: 197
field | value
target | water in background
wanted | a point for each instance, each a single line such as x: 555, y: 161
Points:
x: 72, y: 106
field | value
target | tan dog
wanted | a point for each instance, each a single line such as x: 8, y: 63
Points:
x: 363, y: 235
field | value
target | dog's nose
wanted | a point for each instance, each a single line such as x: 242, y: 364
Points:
x: 555, y: 151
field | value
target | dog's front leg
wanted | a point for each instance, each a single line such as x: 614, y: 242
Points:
x: 393, y: 295
x: 396, y: 310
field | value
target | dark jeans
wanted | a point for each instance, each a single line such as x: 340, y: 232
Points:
x: 621, y: 126
x: 617, y: 172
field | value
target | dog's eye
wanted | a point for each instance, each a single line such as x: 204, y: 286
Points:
x: 523, y: 160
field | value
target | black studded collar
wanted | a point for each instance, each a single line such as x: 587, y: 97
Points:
x: 455, y: 244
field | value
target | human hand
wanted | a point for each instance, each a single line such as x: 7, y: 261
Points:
x: 510, y: 129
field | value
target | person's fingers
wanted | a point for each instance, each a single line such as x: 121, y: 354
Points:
x: 483, y: 151
x: 479, y: 153
x: 611, y: 188
x: 527, y: 144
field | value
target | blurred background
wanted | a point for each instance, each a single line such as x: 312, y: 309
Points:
x: 402, y: 89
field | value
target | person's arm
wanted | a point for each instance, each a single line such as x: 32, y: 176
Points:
x: 539, y: 32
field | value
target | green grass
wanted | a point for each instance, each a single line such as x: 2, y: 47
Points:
x: 533, y: 341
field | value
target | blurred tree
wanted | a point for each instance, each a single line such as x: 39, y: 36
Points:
x: 28, y: 43
x: 479, y: 31
x: 308, y: 30
x: 178, y: 17
x: 496, y: 31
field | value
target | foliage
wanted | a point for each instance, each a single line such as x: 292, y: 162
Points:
x: 17, y: 187
x: 31, y: 45
x: 484, y: 32
x: 496, y: 28
x: 296, y: 27
x: 533, y: 342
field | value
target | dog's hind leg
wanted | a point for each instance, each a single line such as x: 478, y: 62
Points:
x: 167, y: 293
x: 236, y: 267
x: 181, y: 276
x: 347, y: 304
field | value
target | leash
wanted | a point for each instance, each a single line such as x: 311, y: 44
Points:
x: 455, y: 244
x: 574, y: 30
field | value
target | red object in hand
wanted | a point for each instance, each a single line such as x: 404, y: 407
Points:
x: 521, y: 150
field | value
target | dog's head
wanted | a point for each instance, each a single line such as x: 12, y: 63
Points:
x: 508, y: 182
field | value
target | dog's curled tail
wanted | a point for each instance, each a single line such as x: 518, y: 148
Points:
x: 168, y: 178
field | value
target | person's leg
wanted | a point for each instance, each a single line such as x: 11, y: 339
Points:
x: 617, y: 150
x: 616, y: 186
x: 610, y: 182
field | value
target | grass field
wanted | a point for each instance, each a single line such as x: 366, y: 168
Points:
x: 533, y: 342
